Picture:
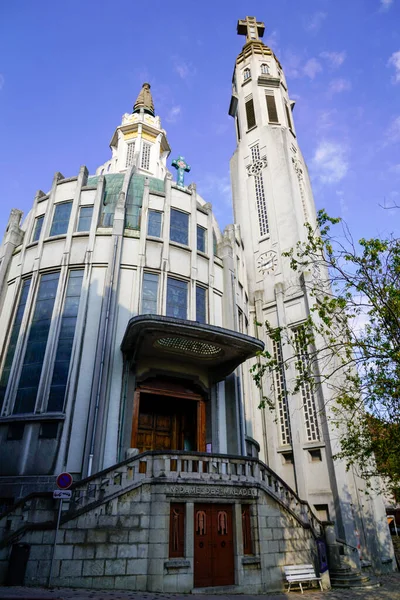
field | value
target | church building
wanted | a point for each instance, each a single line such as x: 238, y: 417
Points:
x: 128, y: 327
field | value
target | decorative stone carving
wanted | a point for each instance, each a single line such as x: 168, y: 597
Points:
x: 257, y: 166
x: 300, y: 177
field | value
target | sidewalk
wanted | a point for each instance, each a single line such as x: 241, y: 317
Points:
x: 389, y: 590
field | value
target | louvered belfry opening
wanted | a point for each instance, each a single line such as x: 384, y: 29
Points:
x: 250, y: 114
x: 271, y: 107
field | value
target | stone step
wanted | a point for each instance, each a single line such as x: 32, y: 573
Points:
x: 222, y: 589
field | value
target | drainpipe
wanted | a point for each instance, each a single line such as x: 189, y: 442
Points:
x: 103, y: 352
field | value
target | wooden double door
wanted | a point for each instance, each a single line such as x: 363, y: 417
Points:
x: 168, y: 418
x: 213, y: 545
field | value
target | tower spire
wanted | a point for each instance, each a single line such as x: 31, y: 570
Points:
x: 144, y: 100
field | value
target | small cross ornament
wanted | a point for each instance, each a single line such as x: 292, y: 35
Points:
x: 182, y: 167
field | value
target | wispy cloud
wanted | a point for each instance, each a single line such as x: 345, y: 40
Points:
x: 330, y: 163
x: 326, y: 119
x: 272, y: 40
x: 217, y: 190
x: 393, y: 131
x: 386, y: 4
x: 344, y: 207
x: 173, y: 114
x: 183, y: 69
x: 2, y: 80
x: 296, y: 68
x: 335, y: 59
x: 337, y: 86
x: 394, y: 61
x: 314, y: 22
x: 312, y: 68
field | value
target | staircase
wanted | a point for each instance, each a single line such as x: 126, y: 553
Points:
x: 38, y: 511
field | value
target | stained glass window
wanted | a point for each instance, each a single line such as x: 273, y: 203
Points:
x: 177, y: 298
x: 179, y: 227
x: 281, y: 395
x: 201, y: 238
x: 13, y: 340
x: 150, y: 293
x: 154, y: 223
x: 201, y: 304
x: 36, y: 345
x: 61, y: 218
x: 85, y: 218
x: 37, y: 228
x: 307, y: 393
x: 65, y: 342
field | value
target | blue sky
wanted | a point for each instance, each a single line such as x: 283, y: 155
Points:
x: 69, y: 70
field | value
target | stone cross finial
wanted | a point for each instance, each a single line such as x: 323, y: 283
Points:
x: 181, y: 166
x: 251, y: 28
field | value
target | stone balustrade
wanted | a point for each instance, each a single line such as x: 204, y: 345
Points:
x: 175, y: 467
x: 194, y: 467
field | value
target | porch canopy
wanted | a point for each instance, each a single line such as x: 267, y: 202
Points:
x: 219, y: 350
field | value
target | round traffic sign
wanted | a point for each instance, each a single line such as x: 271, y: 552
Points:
x: 64, y: 481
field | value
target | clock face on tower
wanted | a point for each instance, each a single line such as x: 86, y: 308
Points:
x: 267, y: 262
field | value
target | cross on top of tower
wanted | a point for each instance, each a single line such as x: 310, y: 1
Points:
x: 251, y: 28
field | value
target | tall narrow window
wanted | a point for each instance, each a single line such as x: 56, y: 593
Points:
x: 85, y: 218
x: 179, y: 227
x: 260, y: 193
x: 215, y: 244
x: 36, y: 345
x: 246, y: 74
x: 238, y: 128
x: 61, y: 218
x: 250, y: 114
x: 145, y: 162
x: 309, y: 405
x: 288, y: 117
x: 264, y: 69
x: 201, y: 313
x: 281, y: 395
x: 177, y: 292
x: 154, y: 223
x: 130, y: 151
x: 201, y: 238
x: 65, y: 342
x: 177, y: 530
x: 37, y: 229
x: 271, y: 107
x: 13, y: 340
x: 150, y: 293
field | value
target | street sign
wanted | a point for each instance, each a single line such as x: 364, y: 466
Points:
x: 64, y: 481
x: 62, y: 494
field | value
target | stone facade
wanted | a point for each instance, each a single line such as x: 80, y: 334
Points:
x: 128, y: 328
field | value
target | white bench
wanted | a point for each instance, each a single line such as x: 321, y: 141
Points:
x: 300, y: 574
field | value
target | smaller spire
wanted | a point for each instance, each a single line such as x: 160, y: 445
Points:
x: 144, y: 100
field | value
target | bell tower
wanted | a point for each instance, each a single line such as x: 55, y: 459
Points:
x: 272, y: 199
x: 271, y: 191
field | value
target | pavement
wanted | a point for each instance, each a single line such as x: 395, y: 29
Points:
x: 388, y: 590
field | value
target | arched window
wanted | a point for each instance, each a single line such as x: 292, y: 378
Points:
x: 246, y: 74
x: 264, y: 69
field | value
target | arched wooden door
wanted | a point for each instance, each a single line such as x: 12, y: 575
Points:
x: 167, y: 416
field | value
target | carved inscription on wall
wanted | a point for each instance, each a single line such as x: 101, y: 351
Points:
x: 214, y: 490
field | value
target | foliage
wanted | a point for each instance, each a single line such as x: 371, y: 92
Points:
x: 350, y: 343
